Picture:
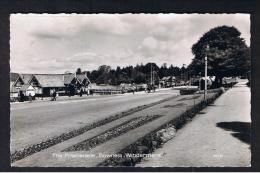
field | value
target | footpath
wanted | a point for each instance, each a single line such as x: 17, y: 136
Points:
x: 218, y: 136
x: 84, y: 96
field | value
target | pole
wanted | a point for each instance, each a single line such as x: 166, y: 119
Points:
x: 151, y: 74
x: 199, y: 81
x: 205, y: 88
x: 199, y: 84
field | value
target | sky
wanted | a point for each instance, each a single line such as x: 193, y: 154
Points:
x: 55, y: 43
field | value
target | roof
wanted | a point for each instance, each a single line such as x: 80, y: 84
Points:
x: 13, y: 76
x: 25, y: 87
x: 50, y: 80
x: 13, y: 90
x: 11, y: 83
x: 81, y: 77
x: 25, y: 77
x: 68, y: 78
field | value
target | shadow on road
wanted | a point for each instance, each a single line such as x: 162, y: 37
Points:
x: 241, y: 129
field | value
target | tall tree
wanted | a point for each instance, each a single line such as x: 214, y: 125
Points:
x: 103, y: 75
x: 227, y: 53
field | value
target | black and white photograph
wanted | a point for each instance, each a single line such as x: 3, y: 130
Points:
x: 130, y: 90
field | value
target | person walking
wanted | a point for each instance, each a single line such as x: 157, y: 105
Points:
x: 54, y: 95
x: 80, y: 93
x: 30, y: 97
x: 21, y: 96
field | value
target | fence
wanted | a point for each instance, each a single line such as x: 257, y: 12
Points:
x: 107, y: 91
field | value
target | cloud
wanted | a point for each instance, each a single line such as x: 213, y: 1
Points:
x: 46, y: 36
x: 59, y: 42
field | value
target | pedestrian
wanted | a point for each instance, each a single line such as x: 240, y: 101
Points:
x: 91, y: 92
x: 21, y: 96
x: 80, y: 93
x: 30, y: 97
x: 54, y: 95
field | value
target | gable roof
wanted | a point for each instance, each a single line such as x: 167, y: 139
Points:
x: 19, y: 79
x: 13, y: 89
x: 25, y: 87
x: 11, y: 83
x: 68, y: 78
x: 13, y: 76
x: 83, y: 77
x: 25, y: 77
x: 79, y: 77
x: 50, y: 80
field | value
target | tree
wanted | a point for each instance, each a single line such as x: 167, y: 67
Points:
x: 103, y: 75
x: 140, y: 78
x: 78, y: 71
x: 163, y: 71
x: 228, y: 55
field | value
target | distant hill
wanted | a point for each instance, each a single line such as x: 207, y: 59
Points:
x: 13, y: 76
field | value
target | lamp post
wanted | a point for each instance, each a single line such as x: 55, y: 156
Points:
x: 151, y: 74
x: 199, y: 81
x: 206, y: 73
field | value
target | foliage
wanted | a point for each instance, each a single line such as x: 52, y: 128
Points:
x: 228, y: 55
x: 131, y: 74
x: 78, y: 71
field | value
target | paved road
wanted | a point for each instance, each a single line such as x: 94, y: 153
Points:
x: 34, y: 122
x: 219, y: 137
x: 56, y: 156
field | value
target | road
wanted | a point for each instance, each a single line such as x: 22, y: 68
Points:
x: 35, y: 122
x: 111, y: 137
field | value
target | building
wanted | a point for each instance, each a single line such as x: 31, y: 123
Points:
x: 79, y: 81
x: 28, y: 90
x: 44, y: 84
x: 13, y: 93
x: 167, y: 81
x: 76, y: 82
x: 21, y: 80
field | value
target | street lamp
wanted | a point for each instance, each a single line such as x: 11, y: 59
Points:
x: 206, y: 73
x: 151, y: 74
x: 199, y: 81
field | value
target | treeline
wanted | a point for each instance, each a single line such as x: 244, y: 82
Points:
x: 138, y: 74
